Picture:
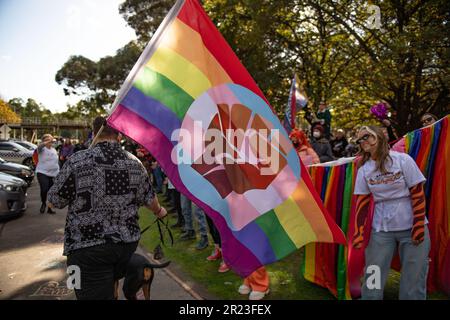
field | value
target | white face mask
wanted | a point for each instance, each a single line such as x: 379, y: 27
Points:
x: 316, y: 134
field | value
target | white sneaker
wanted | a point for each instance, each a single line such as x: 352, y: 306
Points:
x: 257, y: 295
x: 243, y: 289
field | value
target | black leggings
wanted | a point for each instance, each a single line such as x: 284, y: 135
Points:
x: 45, y: 182
x: 213, y: 231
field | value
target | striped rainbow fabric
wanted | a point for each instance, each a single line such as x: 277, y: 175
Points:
x: 189, y: 78
x: 430, y: 147
x: 340, y: 268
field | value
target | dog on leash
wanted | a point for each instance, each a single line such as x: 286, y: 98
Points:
x: 139, y: 275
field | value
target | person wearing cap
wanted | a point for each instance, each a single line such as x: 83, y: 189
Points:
x: 47, y: 168
x: 321, y: 145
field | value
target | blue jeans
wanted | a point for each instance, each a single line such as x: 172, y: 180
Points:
x: 186, y: 209
x: 157, y: 173
x: 414, y: 264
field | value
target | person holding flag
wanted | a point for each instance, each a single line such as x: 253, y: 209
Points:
x: 396, y: 184
x: 189, y: 83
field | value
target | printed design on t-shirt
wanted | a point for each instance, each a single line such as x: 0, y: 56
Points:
x: 387, y: 178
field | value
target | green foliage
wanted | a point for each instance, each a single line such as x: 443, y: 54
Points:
x: 98, y: 81
x: 338, y: 56
x: 144, y: 16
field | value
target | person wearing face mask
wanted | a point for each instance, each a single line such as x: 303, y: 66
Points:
x: 395, y: 182
x: 304, y: 149
x: 321, y: 145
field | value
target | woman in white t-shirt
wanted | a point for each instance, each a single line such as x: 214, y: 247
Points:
x: 47, y: 168
x: 396, y: 185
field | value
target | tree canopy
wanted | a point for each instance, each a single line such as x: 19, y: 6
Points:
x: 7, y: 114
x: 343, y: 52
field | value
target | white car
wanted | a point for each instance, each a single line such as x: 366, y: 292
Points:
x: 30, y: 146
x: 13, y: 152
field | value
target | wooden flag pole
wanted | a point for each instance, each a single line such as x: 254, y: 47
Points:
x: 94, y: 141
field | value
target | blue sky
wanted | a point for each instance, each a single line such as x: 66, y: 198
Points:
x: 38, y: 36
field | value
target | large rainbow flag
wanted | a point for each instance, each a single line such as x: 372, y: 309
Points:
x: 340, y: 268
x: 189, y: 81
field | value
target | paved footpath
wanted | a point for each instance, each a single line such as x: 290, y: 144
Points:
x: 32, y: 265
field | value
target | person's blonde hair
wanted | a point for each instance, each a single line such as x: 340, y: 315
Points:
x: 381, y: 153
x: 45, y: 136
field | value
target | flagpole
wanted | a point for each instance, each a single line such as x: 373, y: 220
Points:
x: 146, y: 54
x: 97, y: 135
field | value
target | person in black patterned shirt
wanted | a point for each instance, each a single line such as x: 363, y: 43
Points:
x: 103, y: 188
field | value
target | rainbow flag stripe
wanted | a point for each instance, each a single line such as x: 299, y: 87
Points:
x: 340, y: 271
x: 188, y: 73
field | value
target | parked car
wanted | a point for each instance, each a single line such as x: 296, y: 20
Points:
x: 30, y: 146
x: 17, y: 170
x: 13, y: 152
x: 12, y: 196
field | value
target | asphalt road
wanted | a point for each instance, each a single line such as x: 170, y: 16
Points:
x: 32, y: 265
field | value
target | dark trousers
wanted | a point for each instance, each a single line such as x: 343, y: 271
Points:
x: 213, y: 231
x: 45, y: 183
x: 176, y: 202
x: 100, y: 266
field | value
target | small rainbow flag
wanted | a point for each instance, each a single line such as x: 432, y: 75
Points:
x: 189, y: 81
x: 297, y: 101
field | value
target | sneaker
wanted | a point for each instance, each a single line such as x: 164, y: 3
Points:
x: 188, y: 235
x: 215, y: 255
x: 203, y: 243
x: 223, y: 267
x: 257, y: 295
x: 243, y: 289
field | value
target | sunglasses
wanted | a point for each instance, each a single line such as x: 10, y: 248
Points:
x: 427, y: 120
x: 363, y: 138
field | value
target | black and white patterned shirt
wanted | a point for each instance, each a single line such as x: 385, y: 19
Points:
x: 104, y: 187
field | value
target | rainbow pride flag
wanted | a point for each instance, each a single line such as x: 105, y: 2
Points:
x: 340, y: 268
x: 297, y: 101
x: 430, y: 148
x: 189, y: 81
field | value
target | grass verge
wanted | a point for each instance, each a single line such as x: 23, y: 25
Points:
x: 286, y: 282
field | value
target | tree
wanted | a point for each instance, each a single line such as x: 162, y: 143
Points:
x: 406, y: 62
x: 339, y: 57
x: 6, y: 114
x: 99, y: 81
x: 144, y: 16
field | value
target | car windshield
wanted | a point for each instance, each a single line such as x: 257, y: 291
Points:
x: 18, y: 146
x: 25, y: 144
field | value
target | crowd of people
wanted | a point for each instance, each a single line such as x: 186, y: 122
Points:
x: 128, y: 171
